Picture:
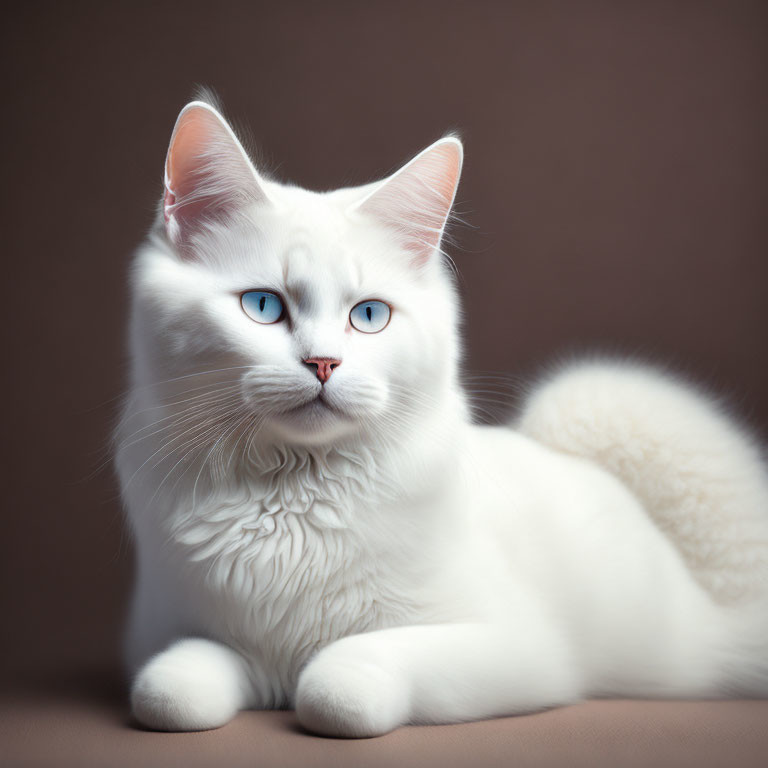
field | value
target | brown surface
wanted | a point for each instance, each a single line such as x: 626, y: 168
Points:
x: 616, y: 175
x: 84, y: 725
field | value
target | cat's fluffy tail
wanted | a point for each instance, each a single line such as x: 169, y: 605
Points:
x: 701, y: 478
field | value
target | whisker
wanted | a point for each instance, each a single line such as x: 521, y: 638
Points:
x: 159, y: 450
x: 235, y: 421
x: 191, y: 414
x: 198, y: 442
x: 227, y: 385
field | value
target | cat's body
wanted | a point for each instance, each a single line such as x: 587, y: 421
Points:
x: 371, y: 557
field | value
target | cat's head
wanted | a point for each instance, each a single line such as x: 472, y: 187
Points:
x: 320, y: 315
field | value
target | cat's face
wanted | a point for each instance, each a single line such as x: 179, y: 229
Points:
x: 325, y: 314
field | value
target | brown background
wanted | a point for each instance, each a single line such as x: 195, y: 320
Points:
x: 615, y: 179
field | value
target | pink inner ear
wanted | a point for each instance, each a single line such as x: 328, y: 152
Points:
x: 196, y: 131
x: 207, y: 173
x: 188, y: 171
x: 438, y: 172
x: 416, y: 201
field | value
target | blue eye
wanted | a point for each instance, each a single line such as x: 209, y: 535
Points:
x: 370, y: 316
x: 262, y: 307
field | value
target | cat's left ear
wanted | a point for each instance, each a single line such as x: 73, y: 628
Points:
x: 208, y: 175
x: 416, y: 200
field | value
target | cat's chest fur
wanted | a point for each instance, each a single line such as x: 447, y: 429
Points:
x: 281, y: 563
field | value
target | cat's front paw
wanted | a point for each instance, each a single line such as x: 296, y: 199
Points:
x: 348, y: 692
x: 192, y: 686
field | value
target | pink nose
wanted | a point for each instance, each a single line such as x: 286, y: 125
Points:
x: 325, y: 366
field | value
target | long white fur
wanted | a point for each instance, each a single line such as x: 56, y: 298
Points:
x: 388, y: 561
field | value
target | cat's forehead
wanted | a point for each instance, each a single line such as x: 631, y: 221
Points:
x: 309, y: 265
x: 305, y: 243
x: 310, y: 235
x: 314, y: 238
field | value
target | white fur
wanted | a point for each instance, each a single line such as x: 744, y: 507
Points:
x: 388, y: 561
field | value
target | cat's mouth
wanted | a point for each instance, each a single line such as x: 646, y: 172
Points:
x: 314, y: 419
x: 318, y: 404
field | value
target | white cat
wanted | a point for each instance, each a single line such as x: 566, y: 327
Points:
x: 319, y: 525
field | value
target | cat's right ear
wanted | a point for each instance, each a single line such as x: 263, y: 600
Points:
x: 207, y: 173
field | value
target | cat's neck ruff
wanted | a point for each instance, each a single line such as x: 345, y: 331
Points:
x: 324, y: 482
